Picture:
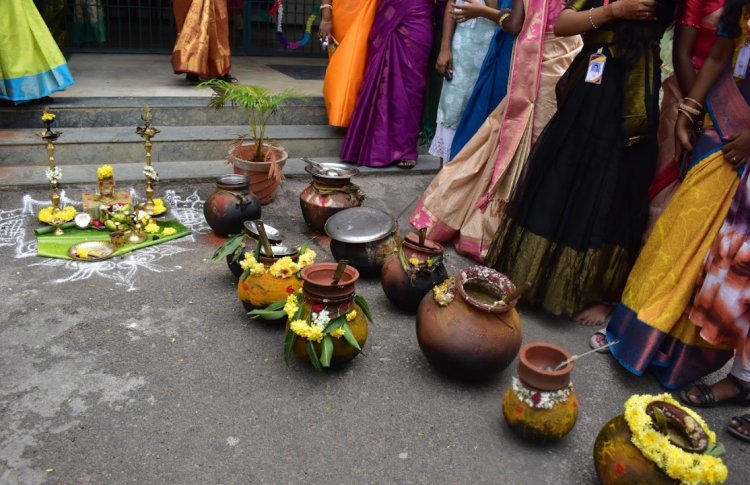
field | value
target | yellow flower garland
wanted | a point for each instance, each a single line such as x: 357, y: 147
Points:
x: 689, y: 468
x: 104, y: 172
x: 283, y: 268
x: 303, y: 328
x: 49, y: 214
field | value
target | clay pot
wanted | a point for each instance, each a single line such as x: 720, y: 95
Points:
x: 524, y: 406
x: 364, y: 237
x: 470, y: 338
x: 329, y: 192
x: 406, y: 290
x: 259, y: 291
x: 619, y: 462
x: 320, y: 293
x: 230, y: 205
x: 265, y: 177
x: 251, y: 238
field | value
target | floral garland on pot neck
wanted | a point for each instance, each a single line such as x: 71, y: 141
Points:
x: 647, y: 422
x: 284, y: 267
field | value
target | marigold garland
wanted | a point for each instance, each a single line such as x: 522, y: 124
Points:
x: 104, y: 172
x: 285, y: 267
x: 689, y: 468
x: 48, y: 215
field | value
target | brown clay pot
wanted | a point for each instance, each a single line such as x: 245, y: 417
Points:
x: 251, y: 239
x: 320, y: 293
x: 406, y: 290
x: 328, y: 194
x: 265, y: 177
x: 541, y: 424
x: 230, y: 205
x: 469, y: 338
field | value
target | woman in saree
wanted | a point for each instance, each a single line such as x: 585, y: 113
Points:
x: 573, y: 226
x: 463, y: 47
x: 695, y: 33
x: 720, y: 309
x: 464, y: 201
x: 31, y: 65
x: 202, y: 46
x: 387, y: 113
x: 652, y: 322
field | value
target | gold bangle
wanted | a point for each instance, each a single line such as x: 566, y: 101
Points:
x: 325, y: 5
x: 591, y: 19
x: 687, y: 115
x: 502, y: 19
x: 689, y: 109
x: 694, y: 101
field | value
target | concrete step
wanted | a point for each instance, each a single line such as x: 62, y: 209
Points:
x: 167, y: 111
x: 121, y: 145
x: 26, y: 175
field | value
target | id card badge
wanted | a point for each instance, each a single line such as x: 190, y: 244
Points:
x: 743, y: 59
x: 594, y: 73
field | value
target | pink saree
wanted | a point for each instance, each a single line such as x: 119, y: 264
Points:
x: 465, y: 200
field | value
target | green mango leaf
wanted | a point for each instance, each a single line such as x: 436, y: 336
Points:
x: 289, y: 341
x: 313, y: 356
x: 245, y: 275
x: 276, y: 306
x: 360, y: 300
x: 349, y: 336
x: 303, y: 247
x: 267, y: 314
x: 326, y: 351
x: 234, y: 243
x: 300, y: 309
x: 337, y: 322
x: 717, y: 449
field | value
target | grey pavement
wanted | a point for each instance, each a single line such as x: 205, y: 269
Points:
x: 145, y: 369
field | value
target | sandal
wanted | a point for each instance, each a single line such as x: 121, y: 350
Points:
x: 229, y: 78
x: 598, y: 342
x: 406, y: 164
x: 707, y: 399
x: 740, y: 421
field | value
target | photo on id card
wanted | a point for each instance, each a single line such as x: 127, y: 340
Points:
x: 596, y: 68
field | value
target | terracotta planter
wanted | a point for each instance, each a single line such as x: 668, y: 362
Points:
x: 265, y: 177
x: 619, y: 462
x: 321, y: 293
x: 540, y: 405
x: 469, y: 338
x: 329, y: 192
x: 259, y: 291
x: 230, y: 205
x: 406, y: 290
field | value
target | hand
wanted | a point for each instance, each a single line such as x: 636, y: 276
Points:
x: 683, y: 132
x: 467, y: 11
x: 444, y: 61
x: 324, y: 29
x: 635, y: 9
x: 737, y: 150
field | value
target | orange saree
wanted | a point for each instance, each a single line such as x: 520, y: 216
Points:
x: 352, y: 20
x: 202, y: 45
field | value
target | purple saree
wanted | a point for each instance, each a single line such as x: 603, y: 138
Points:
x: 387, y: 114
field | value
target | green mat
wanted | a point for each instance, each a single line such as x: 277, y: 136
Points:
x: 51, y: 246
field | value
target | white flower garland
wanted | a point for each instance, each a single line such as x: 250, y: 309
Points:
x: 150, y: 173
x: 53, y: 175
x: 540, y: 399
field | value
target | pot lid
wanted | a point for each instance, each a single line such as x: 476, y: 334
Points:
x: 274, y: 235
x: 331, y: 171
x: 360, y: 225
x: 233, y: 179
x: 280, y: 251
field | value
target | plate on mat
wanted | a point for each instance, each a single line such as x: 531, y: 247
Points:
x: 91, y: 250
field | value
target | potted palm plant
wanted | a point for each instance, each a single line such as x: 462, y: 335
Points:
x: 252, y: 155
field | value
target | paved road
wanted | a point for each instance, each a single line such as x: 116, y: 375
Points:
x: 146, y: 370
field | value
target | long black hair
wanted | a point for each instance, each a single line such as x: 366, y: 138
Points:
x: 730, y: 16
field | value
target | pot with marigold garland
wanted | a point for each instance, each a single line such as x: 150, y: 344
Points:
x: 269, y: 279
x: 327, y: 321
x: 658, y: 441
x: 412, y: 271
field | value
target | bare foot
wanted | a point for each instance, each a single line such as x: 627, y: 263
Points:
x: 594, y: 315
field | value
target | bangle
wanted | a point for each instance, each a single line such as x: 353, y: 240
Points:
x: 695, y: 102
x: 687, y: 115
x: 591, y: 18
x: 325, y: 5
x: 502, y: 19
x: 689, y: 109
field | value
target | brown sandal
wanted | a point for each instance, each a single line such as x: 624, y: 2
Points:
x: 707, y: 399
x: 740, y: 421
x: 406, y: 164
